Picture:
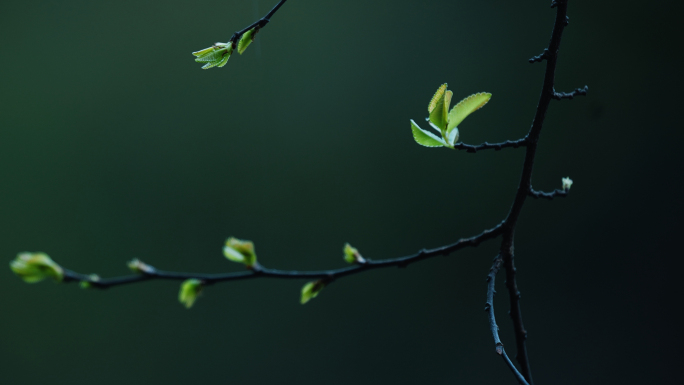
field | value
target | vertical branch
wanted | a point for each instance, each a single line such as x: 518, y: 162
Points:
x: 525, y: 187
x: 489, y: 308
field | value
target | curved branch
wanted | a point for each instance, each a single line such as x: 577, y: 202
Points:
x: 489, y: 308
x: 259, y: 271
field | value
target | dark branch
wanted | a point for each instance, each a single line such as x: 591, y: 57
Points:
x: 489, y: 308
x: 539, y: 58
x: 525, y: 186
x: 259, y: 271
x: 515, y: 371
x: 571, y: 95
x: 261, y: 23
x: 489, y: 305
x: 548, y: 195
x: 489, y: 146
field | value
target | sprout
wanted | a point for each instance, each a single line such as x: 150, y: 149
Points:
x: 246, y: 40
x: 351, y: 255
x: 214, y: 56
x: 35, y: 267
x: 240, y: 251
x: 139, y: 267
x: 311, y: 290
x: 445, y: 122
x: 189, y: 291
x: 89, y: 284
x: 567, y: 183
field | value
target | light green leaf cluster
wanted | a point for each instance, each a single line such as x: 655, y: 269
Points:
x: 352, y: 255
x: 311, y: 290
x: 214, y: 56
x: 189, y: 291
x: 35, y: 267
x: 446, y: 122
x: 240, y: 251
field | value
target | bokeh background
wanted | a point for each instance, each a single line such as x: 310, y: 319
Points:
x: 114, y: 145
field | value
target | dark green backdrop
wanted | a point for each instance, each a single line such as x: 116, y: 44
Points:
x: 114, y: 144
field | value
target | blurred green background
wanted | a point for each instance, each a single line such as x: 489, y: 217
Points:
x: 116, y: 145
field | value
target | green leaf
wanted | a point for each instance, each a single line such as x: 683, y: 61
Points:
x: 466, y: 107
x: 203, y: 52
x: 439, y: 105
x: 223, y: 61
x: 425, y: 138
x: 189, y: 291
x: 240, y: 251
x: 35, y: 267
x: 216, y: 55
x: 311, y: 290
x: 246, y: 39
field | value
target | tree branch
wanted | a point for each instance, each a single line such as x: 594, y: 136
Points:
x: 261, y: 23
x: 548, y: 195
x: 259, y: 271
x: 489, y: 308
x: 539, y: 58
x: 525, y: 186
x: 488, y: 146
x: 571, y: 95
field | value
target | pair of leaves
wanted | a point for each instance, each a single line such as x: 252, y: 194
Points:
x: 218, y: 54
x: 446, y: 122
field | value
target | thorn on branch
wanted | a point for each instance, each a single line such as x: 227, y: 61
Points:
x: 570, y: 95
x: 541, y: 57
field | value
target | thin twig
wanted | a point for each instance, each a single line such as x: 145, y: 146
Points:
x: 488, y: 146
x: 259, y: 271
x: 571, y: 95
x: 261, y: 23
x: 539, y: 58
x: 548, y: 195
x: 489, y: 308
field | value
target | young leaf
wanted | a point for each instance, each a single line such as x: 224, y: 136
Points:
x: 435, y: 98
x: 203, y: 52
x: 453, y: 136
x: 246, y: 40
x: 425, y: 138
x: 567, y: 183
x: 466, y: 107
x: 439, y: 106
x: 352, y: 255
x: 223, y: 61
x: 189, y: 291
x: 35, y: 267
x: 216, y: 55
x: 311, y: 290
x: 240, y: 251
